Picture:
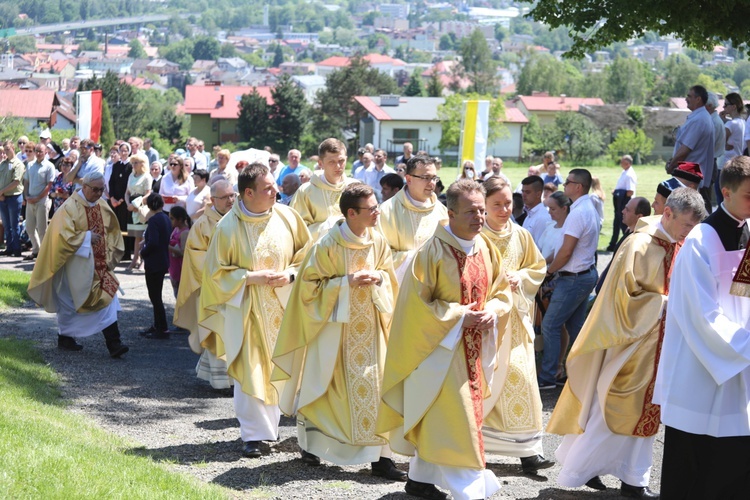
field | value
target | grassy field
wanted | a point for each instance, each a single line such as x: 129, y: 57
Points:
x: 649, y: 176
x: 48, y: 452
x: 13, y: 286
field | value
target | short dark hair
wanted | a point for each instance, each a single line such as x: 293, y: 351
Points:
x: 493, y: 185
x: 561, y: 199
x: 534, y: 180
x: 352, y: 194
x: 179, y: 213
x: 392, y: 180
x: 331, y: 145
x: 201, y: 173
x: 155, y: 202
x: 583, y: 176
x: 417, y: 161
x: 248, y: 176
x: 459, y: 187
x: 735, y: 172
x: 701, y: 92
x: 642, y: 206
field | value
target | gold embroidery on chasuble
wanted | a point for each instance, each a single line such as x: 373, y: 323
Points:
x: 648, y: 423
x: 266, y: 253
x: 421, y: 226
x: 474, y: 286
x: 360, y: 351
x: 518, y: 399
x: 332, y: 201
x: 108, y: 282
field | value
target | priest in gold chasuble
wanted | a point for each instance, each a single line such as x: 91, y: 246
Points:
x: 209, y: 367
x: 332, y: 343
x: 513, y: 414
x: 74, y: 273
x: 409, y: 218
x: 251, y: 261
x: 317, y: 201
x: 605, y: 409
x: 450, y: 314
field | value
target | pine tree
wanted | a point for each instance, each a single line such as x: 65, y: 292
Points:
x: 253, y: 120
x: 415, y: 87
x: 278, y: 57
x: 290, y: 112
x: 435, y: 86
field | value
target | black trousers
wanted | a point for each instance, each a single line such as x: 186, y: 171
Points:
x: 619, y: 201
x: 699, y: 467
x: 155, y: 285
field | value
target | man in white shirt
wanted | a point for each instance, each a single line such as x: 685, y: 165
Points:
x: 359, y: 172
x: 496, y: 170
x: 575, y: 264
x: 704, y: 369
x: 199, y: 159
x: 623, y: 192
x: 375, y: 172
x: 87, y: 164
x: 537, y: 216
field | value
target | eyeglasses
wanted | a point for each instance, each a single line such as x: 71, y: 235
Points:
x: 22, y: 143
x: 373, y: 209
x: 468, y: 168
x: 570, y: 182
x: 29, y: 151
x: 225, y: 197
x: 434, y: 179
x: 95, y: 189
x: 171, y: 164
x: 37, y: 151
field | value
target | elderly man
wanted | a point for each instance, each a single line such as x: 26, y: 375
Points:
x: 210, y: 367
x: 575, y: 264
x: 605, y: 410
x: 254, y: 253
x: 337, y: 325
x: 289, y: 186
x: 704, y: 367
x: 293, y: 166
x: 621, y: 195
x: 87, y: 163
x: 695, y: 140
x: 199, y: 159
x: 442, y: 348
x: 74, y: 276
x: 275, y: 165
x: 37, y: 181
x: 366, y: 163
x: 408, y: 151
x: 410, y: 218
x: 11, y: 198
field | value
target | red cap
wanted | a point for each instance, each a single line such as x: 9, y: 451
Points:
x: 689, y: 171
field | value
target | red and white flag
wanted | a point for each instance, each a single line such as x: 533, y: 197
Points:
x: 89, y: 113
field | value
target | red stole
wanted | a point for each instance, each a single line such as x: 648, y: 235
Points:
x: 474, y: 287
x: 107, y: 280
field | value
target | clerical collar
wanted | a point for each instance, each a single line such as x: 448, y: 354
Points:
x: 660, y: 227
x: 733, y: 235
x: 466, y: 245
x: 91, y: 204
x: 349, y: 236
x: 249, y: 213
x: 740, y: 222
x: 323, y: 178
x: 420, y: 204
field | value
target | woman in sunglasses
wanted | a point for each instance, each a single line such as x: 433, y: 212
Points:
x: 176, y: 184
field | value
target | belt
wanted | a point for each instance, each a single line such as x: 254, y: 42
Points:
x: 566, y: 273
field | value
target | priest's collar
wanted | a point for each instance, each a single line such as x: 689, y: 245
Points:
x: 740, y: 222
x: 733, y: 233
x: 420, y: 204
x: 349, y: 236
x: 466, y: 245
x: 322, y: 178
x: 660, y: 227
x: 248, y: 213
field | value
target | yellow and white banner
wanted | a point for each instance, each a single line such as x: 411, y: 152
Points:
x: 474, y: 131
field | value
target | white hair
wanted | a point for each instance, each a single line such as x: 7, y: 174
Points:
x: 713, y: 100
x: 92, y: 176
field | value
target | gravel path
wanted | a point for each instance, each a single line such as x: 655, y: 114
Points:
x: 152, y: 398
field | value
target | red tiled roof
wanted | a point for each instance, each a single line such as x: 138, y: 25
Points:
x: 371, y: 107
x: 207, y: 100
x: 35, y: 104
x: 514, y: 115
x: 558, y: 103
x: 335, y: 61
x: 373, y: 59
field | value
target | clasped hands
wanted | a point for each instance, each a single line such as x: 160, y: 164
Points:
x: 478, y: 320
x: 363, y: 278
x: 267, y: 278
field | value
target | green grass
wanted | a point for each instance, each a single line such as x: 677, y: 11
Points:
x: 48, y: 452
x: 13, y: 285
x: 649, y: 176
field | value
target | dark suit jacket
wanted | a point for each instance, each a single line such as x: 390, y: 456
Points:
x: 155, y: 252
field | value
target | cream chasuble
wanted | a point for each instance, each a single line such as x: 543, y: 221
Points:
x: 243, y: 321
x: 436, y: 373
x: 513, y: 414
x: 407, y: 226
x: 91, y: 281
x: 332, y: 346
x: 317, y: 201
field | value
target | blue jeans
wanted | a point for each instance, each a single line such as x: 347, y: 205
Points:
x: 566, y: 307
x: 10, y: 209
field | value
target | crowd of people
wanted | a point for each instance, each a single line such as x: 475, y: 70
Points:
x: 388, y: 314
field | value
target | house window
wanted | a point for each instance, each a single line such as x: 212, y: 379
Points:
x: 214, y: 125
x: 667, y: 141
x: 402, y: 135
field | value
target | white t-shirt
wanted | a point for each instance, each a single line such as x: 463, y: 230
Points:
x: 737, y: 128
x: 196, y: 201
x: 628, y: 180
x: 582, y: 223
x: 536, y: 221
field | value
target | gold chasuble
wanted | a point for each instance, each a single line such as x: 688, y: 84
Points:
x: 406, y: 226
x: 627, y: 324
x: 243, y: 321
x: 515, y: 405
x: 92, y: 281
x: 332, y: 344
x: 317, y: 200
x: 188, y: 296
x: 433, y: 389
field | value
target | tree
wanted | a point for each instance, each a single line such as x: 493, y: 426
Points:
x: 12, y: 127
x: 206, y: 49
x: 107, y: 135
x: 435, y: 85
x: 336, y: 109
x: 228, y: 50
x: 578, y: 136
x: 678, y: 74
x: 278, y: 56
x: 180, y: 53
x: 415, y: 87
x: 451, y: 112
x: 594, y: 25
x: 628, y: 81
x: 253, y: 120
x: 477, y: 63
x: 136, y: 50
x: 544, y: 73
x: 289, y: 114
x: 632, y: 142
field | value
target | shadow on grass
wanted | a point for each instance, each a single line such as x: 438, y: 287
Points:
x: 23, y: 371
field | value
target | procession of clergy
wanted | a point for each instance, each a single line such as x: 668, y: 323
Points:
x: 407, y: 327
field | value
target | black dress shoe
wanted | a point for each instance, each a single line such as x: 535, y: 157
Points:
x: 424, y: 490
x: 68, y: 343
x: 151, y: 329
x: 387, y: 469
x: 534, y: 463
x: 117, y: 349
x: 251, y: 449
x: 309, y: 458
x: 629, y: 491
x: 596, y: 483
